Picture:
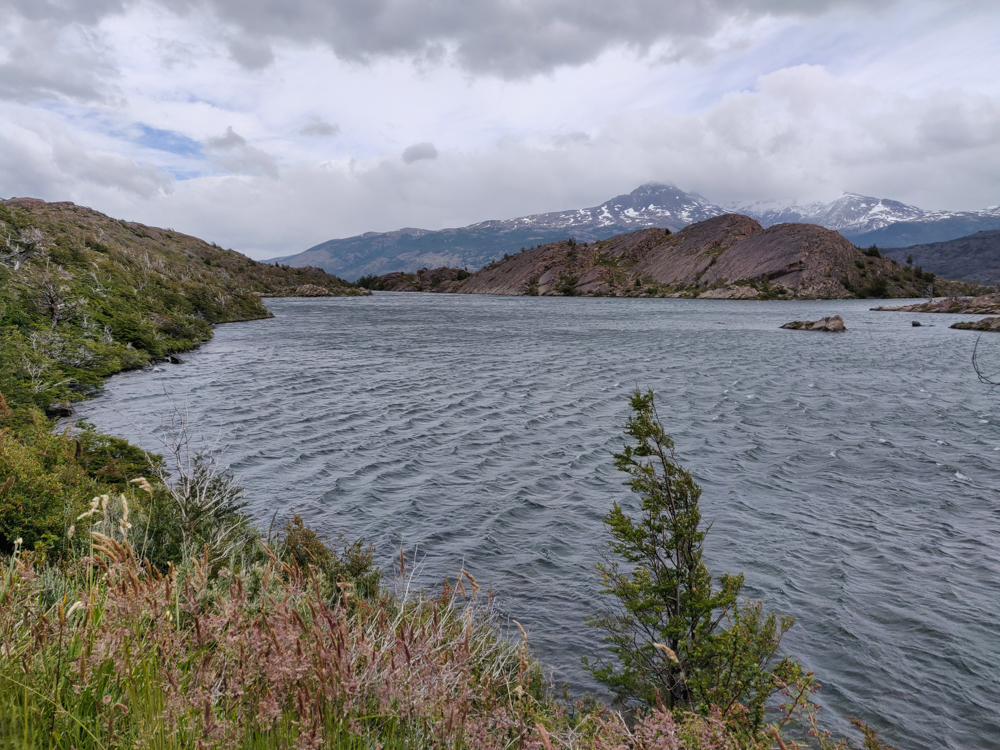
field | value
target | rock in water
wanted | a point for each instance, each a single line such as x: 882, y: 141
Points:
x: 986, y: 324
x: 833, y: 324
x: 915, y: 324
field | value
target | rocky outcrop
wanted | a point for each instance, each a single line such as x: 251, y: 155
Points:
x: 802, y: 260
x: 725, y: 257
x: 310, y: 290
x: 987, y: 304
x: 833, y: 324
x: 986, y: 324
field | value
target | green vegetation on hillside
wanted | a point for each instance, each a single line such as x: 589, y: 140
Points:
x: 82, y: 297
x: 425, y: 280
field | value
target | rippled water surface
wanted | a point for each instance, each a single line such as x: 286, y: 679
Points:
x: 853, y: 478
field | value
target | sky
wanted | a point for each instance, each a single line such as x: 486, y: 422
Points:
x: 270, y: 126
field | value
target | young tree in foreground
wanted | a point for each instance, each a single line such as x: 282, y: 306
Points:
x: 679, y: 638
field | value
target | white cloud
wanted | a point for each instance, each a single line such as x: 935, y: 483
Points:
x: 802, y: 133
x: 231, y: 152
x: 444, y: 116
x: 40, y: 158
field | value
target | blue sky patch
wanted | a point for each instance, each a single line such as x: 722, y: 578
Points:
x: 167, y: 140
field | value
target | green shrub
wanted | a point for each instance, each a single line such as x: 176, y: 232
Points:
x: 352, y: 569
x: 678, y: 636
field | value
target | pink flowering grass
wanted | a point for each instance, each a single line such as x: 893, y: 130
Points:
x: 108, y: 652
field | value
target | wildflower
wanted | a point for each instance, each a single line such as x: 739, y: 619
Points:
x: 72, y: 530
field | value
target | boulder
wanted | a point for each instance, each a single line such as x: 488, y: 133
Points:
x: 986, y: 324
x: 833, y: 324
x: 59, y: 410
x: 915, y: 324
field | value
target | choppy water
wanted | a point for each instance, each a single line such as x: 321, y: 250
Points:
x: 853, y: 478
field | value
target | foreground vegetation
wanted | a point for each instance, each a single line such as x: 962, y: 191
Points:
x: 230, y: 639
x: 141, y: 607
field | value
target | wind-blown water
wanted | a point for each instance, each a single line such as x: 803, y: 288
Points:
x: 853, y: 478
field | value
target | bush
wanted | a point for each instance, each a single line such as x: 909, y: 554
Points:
x: 351, y: 570
x: 678, y: 640
x: 567, y: 285
x: 875, y: 289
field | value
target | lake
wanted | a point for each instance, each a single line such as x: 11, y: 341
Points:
x: 852, y: 477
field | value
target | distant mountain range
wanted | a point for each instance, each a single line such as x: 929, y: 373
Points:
x: 861, y: 219
x: 975, y: 258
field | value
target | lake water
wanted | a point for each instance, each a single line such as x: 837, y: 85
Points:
x: 853, y: 478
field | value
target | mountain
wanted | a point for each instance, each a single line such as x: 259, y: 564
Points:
x: 725, y: 257
x: 862, y: 219
x: 975, y: 258
x: 409, y: 249
x: 866, y: 220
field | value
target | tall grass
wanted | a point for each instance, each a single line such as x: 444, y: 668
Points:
x: 104, y: 651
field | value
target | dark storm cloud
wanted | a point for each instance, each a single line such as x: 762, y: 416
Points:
x: 509, y: 38
x: 503, y: 37
x: 64, y: 11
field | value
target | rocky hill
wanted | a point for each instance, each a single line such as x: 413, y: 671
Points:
x: 725, y: 257
x: 83, y: 296
x: 863, y: 219
x: 975, y: 258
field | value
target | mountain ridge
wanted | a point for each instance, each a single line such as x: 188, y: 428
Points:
x: 725, y: 257
x: 862, y: 219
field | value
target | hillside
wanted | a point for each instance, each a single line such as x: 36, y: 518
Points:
x: 726, y: 257
x: 83, y: 296
x: 975, y: 258
x: 862, y: 219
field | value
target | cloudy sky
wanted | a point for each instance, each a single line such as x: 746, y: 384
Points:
x: 271, y: 125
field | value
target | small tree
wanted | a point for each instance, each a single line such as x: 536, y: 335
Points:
x: 679, y: 640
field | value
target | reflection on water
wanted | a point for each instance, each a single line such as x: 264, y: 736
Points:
x: 852, y: 477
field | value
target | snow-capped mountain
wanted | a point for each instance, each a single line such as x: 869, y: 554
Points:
x: 651, y: 205
x: 880, y: 220
x: 474, y: 246
x: 850, y: 212
x: 862, y: 219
